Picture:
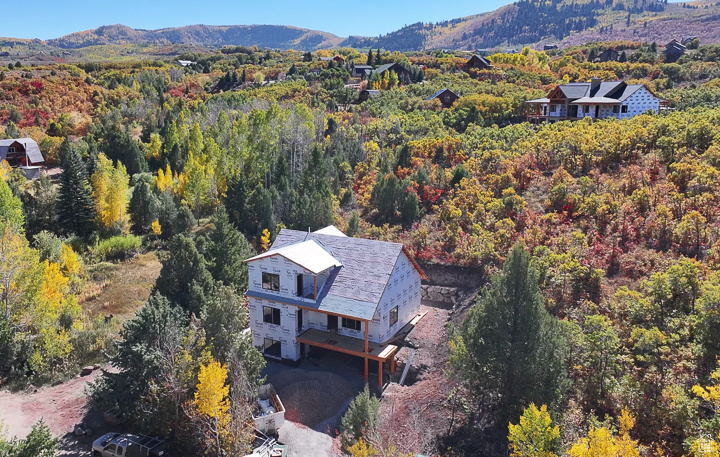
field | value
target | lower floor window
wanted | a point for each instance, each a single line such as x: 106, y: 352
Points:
x: 272, y: 348
x: 351, y: 323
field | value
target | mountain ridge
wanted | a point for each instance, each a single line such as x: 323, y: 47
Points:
x: 522, y: 23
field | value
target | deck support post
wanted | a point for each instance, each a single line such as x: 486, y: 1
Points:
x: 367, y: 325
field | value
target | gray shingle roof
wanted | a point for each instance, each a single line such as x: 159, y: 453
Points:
x: 355, y: 289
x: 438, y: 93
x: 31, y: 148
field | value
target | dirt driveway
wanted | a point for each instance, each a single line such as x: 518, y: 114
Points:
x: 61, y: 407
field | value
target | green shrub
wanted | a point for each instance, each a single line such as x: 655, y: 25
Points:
x: 361, y: 419
x: 118, y: 247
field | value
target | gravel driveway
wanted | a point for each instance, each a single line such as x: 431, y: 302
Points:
x: 315, y: 395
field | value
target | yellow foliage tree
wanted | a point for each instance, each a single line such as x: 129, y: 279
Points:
x: 70, y: 262
x: 600, y: 442
x: 156, y: 229
x: 110, y: 192
x: 212, y: 403
x: 164, y: 179
x: 265, y: 240
x: 52, y: 293
x: 535, y: 435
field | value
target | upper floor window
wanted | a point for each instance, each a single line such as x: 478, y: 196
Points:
x: 553, y: 108
x: 351, y: 323
x: 271, y: 315
x: 270, y: 281
x: 11, y: 149
x: 393, y: 316
x: 624, y: 109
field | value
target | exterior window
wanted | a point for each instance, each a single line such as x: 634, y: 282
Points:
x: 351, y: 323
x: 11, y: 149
x: 120, y: 450
x: 111, y: 448
x: 393, y: 316
x: 270, y: 281
x: 616, y: 109
x: 553, y: 108
x: 271, y: 315
x: 624, y: 109
x: 586, y: 109
x: 272, y: 347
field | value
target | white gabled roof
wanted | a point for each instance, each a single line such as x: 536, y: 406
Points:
x: 330, y: 230
x: 308, y: 254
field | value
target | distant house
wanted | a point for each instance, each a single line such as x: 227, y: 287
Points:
x: 4, y: 54
x: 401, y: 71
x: 358, y: 71
x: 336, y: 59
x: 367, y: 93
x: 484, y: 52
x: 608, y: 55
x: 673, y: 51
x: 332, y: 292
x: 549, y: 47
x: 186, y: 63
x: 478, y: 62
x: 688, y: 39
x: 23, y: 153
x: 595, y: 99
x: 446, y: 97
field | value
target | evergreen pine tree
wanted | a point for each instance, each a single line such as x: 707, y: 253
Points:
x: 509, y: 351
x: 225, y: 251
x: 143, y: 207
x: 370, y: 60
x: 76, y: 208
x: 378, y: 58
x: 184, y: 278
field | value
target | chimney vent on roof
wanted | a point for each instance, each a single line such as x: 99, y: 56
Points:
x: 594, y: 83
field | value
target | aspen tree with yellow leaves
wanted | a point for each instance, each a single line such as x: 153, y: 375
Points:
x: 110, y: 187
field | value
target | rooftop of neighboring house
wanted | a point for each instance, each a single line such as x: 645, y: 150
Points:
x: 359, y: 269
x: 440, y: 92
x: 32, y: 150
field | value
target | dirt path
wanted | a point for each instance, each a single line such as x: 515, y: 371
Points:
x: 61, y: 406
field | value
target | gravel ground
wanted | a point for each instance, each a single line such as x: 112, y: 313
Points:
x: 315, y: 395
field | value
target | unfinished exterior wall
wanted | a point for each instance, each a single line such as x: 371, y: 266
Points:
x: 403, y: 290
x: 639, y: 102
x: 285, y: 332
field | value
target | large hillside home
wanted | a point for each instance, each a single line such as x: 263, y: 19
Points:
x: 335, y: 292
x: 595, y: 99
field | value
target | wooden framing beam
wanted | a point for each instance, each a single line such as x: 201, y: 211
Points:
x: 315, y: 287
x: 367, y: 328
x: 380, y: 373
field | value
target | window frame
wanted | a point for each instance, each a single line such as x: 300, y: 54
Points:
x: 396, y: 312
x: 616, y: 109
x: 273, y: 314
x: 272, y: 343
x: 624, y: 109
x: 273, y: 281
x: 356, y: 324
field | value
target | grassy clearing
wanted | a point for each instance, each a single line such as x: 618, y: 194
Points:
x: 119, y: 288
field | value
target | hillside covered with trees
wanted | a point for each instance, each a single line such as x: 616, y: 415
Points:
x: 601, y: 237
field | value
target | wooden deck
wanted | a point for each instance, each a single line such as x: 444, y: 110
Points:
x: 346, y: 344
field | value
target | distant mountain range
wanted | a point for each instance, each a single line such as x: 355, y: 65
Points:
x: 526, y: 22
x: 265, y: 36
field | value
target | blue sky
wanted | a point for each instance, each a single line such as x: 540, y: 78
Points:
x: 53, y: 18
